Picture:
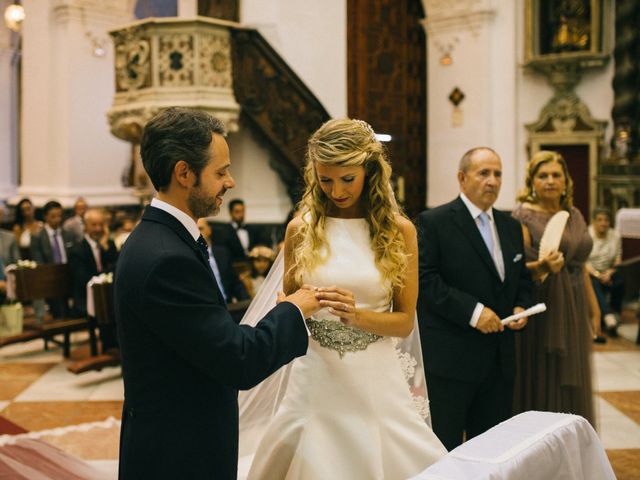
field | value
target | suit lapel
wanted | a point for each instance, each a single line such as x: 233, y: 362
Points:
x: 465, y: 222
x: 160, y: 216
x: 88, y: 253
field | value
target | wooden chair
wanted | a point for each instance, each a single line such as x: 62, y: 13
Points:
x: 104, y: 316
x: 50, y: 282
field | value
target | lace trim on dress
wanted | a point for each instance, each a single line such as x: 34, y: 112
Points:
x: 340, y: 337
x: 408, y: 363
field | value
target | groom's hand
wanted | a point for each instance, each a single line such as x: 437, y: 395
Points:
x: 305, y: 299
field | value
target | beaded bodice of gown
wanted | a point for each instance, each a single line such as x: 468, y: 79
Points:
x: 352, y: 264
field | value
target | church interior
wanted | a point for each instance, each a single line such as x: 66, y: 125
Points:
x: 79, y: 79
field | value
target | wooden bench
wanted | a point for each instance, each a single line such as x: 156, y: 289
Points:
x: 50, y: 282
x: 104, y: 317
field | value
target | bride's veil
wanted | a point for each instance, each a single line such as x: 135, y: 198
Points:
x: 258, y: 405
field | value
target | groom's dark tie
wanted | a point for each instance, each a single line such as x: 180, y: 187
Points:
x: 205, y: 251
x: 203, y: 246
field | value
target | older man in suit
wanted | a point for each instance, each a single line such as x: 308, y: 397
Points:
x: 94, y: 255
x: 183, y: 356
x: 472, y: 274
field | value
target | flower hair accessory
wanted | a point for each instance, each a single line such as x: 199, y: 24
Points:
x: 367, y: 127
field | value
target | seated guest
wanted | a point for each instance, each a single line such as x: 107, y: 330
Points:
x: 8, y: 247
x: 95, y: 254
x: 261, y: 260
x: 25, y: 227
x: 605, y: 255
x: 75, y: 225
x: 231, y: 287
x: 51, y: 245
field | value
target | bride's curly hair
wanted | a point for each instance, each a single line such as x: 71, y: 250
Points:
x: 346, y: 143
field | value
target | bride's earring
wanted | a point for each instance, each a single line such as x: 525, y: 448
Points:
x: 533, y: 193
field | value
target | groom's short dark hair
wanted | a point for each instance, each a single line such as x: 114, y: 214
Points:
x: 175, y: 134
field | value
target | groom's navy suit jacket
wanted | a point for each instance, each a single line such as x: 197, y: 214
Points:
x: 457, y: 272
x: 184, y: 358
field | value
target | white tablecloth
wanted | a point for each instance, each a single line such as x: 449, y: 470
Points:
x: 529, y: 446
x: 628, y: 222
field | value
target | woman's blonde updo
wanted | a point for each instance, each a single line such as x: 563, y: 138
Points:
x: 541, y: 158
x: 347, y: 143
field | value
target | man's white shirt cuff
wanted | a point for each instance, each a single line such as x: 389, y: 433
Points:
x: 476, y: 315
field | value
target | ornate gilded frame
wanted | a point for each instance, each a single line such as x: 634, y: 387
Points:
x: 597, y: 53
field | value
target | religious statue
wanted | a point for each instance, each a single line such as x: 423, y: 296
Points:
x: 572, y: 32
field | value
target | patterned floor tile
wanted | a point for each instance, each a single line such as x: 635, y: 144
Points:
x: 58, y: 384
x: 45, y: 415
x: 625, y: 463
x: 8, y: 427
x: 615, y: 344
x: 616, y: 430
x: 616, y: 371
x: 16, y: 377
x: 627, y: 402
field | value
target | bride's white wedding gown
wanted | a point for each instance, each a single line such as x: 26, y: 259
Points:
x: 348, y: 413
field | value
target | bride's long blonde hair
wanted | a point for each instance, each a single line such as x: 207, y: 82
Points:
x: 346, y: 143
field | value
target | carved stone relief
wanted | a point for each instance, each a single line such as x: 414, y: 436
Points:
x: 175, y: 60
x: 215, y: 60
x: 132, y: 60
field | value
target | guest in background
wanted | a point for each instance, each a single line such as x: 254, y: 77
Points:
x: 232, y: 289
x: 94, y: 255
x: 25, y: 227
x: 237, y: 236
x: 52, y: 243
x: 554, y: 371
x: 8, y: 247
x: 75, y: 224
x: 605, y: 255
x: 122, y: 228
x: 261, y: 260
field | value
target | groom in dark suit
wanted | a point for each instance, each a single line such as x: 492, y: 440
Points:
x: 183, y: 357
x: 472, y: 274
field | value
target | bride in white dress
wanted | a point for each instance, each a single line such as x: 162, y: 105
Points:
x: 348, y: 411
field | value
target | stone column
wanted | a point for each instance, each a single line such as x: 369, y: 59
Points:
x: 8, y: 112
x: 67, y: 87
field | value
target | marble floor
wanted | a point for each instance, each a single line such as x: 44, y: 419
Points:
x: 38, y: 393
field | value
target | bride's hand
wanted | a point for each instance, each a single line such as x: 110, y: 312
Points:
x: 340, y: 302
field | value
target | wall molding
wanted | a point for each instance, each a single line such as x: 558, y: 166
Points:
x: 92, y: 13
x: 95, y: 196
x: 444, y: 15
